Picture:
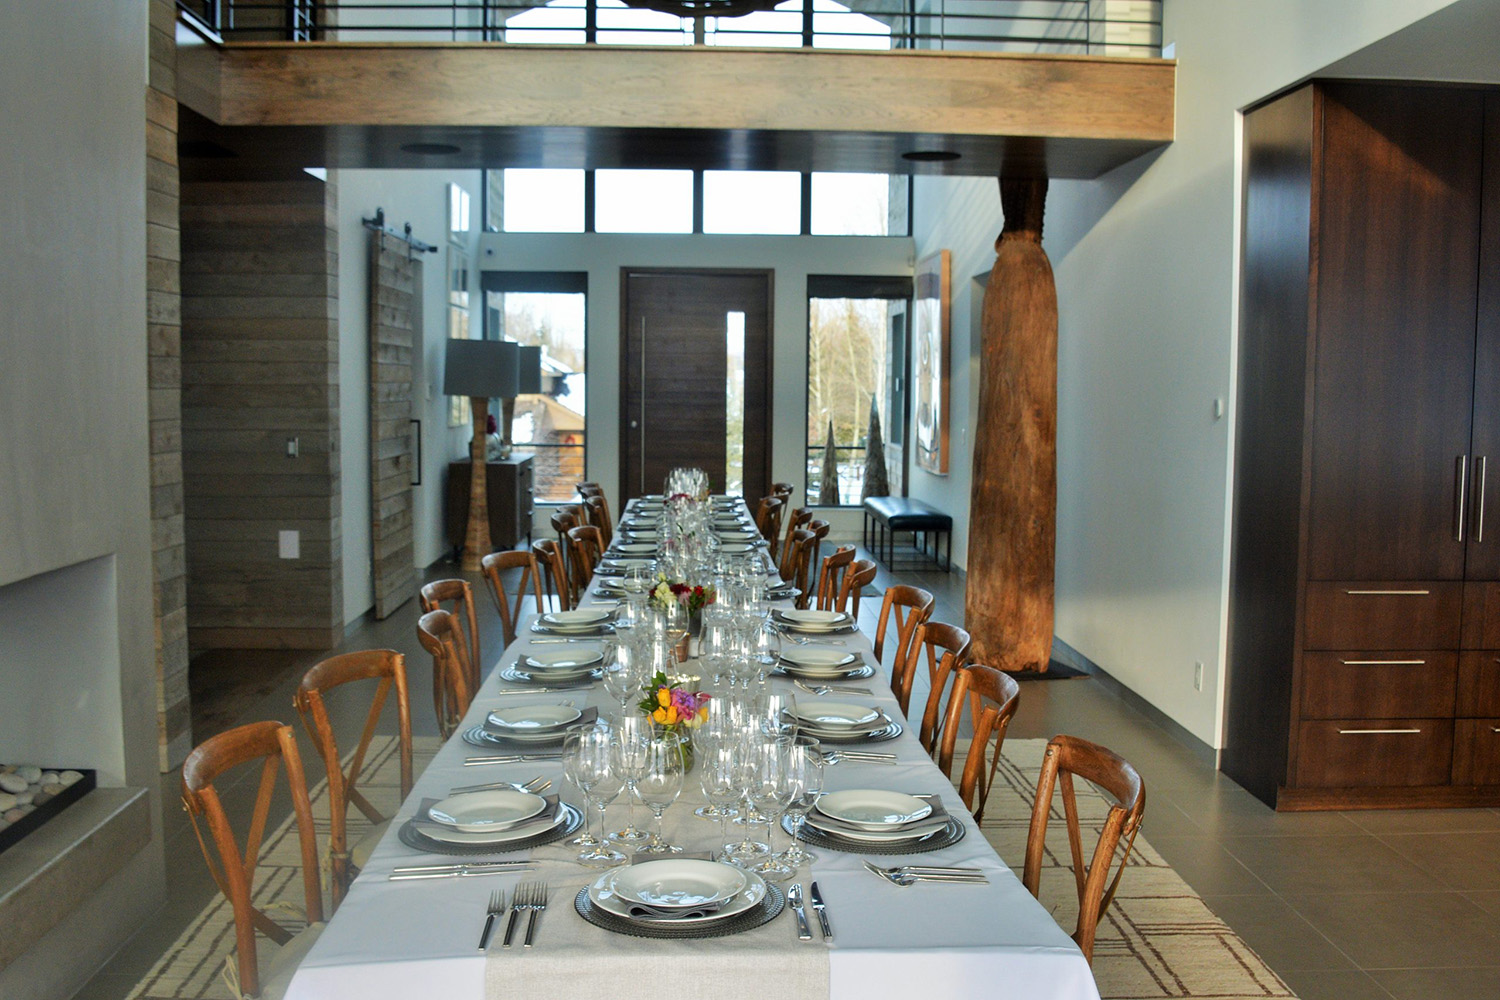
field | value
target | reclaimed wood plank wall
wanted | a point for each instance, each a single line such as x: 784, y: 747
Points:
x: 260, y: 367
x: 394, y: 277
x: 164, y: 374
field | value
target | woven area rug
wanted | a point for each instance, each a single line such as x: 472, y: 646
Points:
x: 1158, y: 939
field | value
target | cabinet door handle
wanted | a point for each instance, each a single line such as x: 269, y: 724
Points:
x: 1478, y: 498
x: 1495, y: 729
x: 1460, y: 495
x: 1383, y: 663
x: 1377, y: 732
x: 1388, y: 593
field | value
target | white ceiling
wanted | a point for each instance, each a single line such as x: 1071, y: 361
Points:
x: 1460, y: 43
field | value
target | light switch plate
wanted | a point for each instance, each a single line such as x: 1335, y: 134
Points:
x: 289, y: 544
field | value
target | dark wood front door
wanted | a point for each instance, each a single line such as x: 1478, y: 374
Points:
x: 695, y: 378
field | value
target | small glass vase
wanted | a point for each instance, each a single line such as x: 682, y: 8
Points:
x: 686, y: 745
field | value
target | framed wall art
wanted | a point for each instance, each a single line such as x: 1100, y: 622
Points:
x: 930, y: 331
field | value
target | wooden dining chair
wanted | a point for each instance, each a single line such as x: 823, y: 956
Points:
x: 457, y: 597
x: 563, y: 520
x: 387, y: 668
x: 768, y: 519
x: 798, y: 517
x: 831, y: 576
x: 274, y: 747
x: 552, y: 576
x: 992, y: 698
x: 820, y: 529
x: 1065, y: 757
x: 587, y: 548
x: 794, y: 562
x: 908, y: 607
x: 945, y: 648
x: 783, y: 490
x: 443, y: 638
x: 494, y: 567
x: 597, y: 509
x: 860, y: 575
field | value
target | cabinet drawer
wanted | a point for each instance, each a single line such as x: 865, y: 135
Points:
x: 1479, y: 683
x: 1353, y: 753
x: 1372, y: 685
x: 1382, y: 615
x: 1476, y: 752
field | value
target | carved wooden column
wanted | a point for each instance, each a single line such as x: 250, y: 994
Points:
x: 1013, y: 499
x: 477, y: 538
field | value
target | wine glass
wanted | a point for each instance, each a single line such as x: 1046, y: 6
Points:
x: 628, y: 752
x: 579, y: 772
x: 624, y: 676
x: 770, y: 792
x: 778, y: 714
x: 746, y: 766
x: 640, y: 575
x: 804, y: 777
x: 594, y: 765
x: 717, y: 775
x: 660, y: 784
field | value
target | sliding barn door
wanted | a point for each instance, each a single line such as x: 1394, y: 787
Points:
x: 696, y: 385
x: 394, y: 278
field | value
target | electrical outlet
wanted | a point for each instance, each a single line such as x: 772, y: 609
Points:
x: 293, y: 447
x: 289, y: 544
x: 1198, y: 676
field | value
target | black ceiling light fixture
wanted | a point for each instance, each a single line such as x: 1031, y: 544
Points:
x: 704, y: 8
x: 430, y: 148
x: 931, y: 155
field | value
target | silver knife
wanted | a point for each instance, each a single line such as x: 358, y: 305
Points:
x: 822, y: 912
x: 794, y: 896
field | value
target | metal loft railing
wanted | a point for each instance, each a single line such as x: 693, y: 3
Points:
x: 1086, y: 27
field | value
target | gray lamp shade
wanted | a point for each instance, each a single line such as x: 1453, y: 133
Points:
x: 484, y: 368
x: 529, y: 369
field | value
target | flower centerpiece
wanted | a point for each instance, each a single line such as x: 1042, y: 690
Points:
x: 675, y: 710
x: 669, y: 595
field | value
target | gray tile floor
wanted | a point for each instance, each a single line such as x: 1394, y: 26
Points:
x: 1344, y: 906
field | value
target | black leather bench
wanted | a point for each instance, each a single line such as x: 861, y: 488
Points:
x: 884, y: 516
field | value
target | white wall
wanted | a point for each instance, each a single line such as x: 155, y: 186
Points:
x: 421, y: 198
x: 792, y: 257
x: 74, y: 456
x: 1146, y: 264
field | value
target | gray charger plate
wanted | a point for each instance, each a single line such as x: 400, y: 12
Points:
x: 878, y: 736
x: 764, y: 912
x: 412, y: 837
x: 935, y: 841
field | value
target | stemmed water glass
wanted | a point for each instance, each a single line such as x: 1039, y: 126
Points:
x: 719, y: 778
x: 624, y: 675
x: 804, y: 778
x: 587, y: 764
x: 661, y: 783
x: 770, y: 792
x: 746, y: 763
x: 628, y: 752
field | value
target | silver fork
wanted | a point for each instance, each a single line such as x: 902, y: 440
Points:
x: 539, y: 903
x: 906, y: 875
x: 822, y: 689
x: 522, y: 901
x: 497, y: 907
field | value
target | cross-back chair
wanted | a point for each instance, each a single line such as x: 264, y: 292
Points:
x: 587, y: 547
x: 908, y: 607
x: 820, y: 529
x: 797, y: 517
x: 794, y: 562
x: 860, y: 575
x: 552, y: 576
x: 564, y: 519
x: 457, y: 597
x: 782, y: 490
x: 494, y: 566
x: 831, y: 576
x: 274, y: 746
x: 768, y: 519
x: 597, y: 509
x: 1065, y: 757
x: 992, y: 698
x: 946, y: 648
x: 442, y: 637
x: 388, y: 669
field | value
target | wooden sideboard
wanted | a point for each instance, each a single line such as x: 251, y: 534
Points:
x: 510, y: 492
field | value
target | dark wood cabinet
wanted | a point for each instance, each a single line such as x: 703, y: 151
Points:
x: 1364, y: 582
x: 511, y: 495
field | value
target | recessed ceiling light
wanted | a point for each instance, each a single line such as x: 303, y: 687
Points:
x: 930, y: 155
x: 430, y: 148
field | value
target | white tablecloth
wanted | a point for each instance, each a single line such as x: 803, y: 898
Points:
x: 408, y: 939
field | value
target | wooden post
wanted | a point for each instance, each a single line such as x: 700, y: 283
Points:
x: 1013, y: 497
x: 477, y: 543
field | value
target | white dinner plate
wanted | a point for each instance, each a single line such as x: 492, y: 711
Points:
x: 562, y: 661
x: 581, y: 617
x: 488, y: 811
x: 873, y: 808
x: 813, y: 619
x: 532, y: 719
x: 913, y: 832
x: 679, y: 884
x: 838, y: 716
x: 602, y: 895
x: 530, y: 828
x: 736, y: 547
x: 823, y: 659
x: 733, y: 535
x: 638, y: 548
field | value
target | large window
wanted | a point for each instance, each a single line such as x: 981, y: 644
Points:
x: 856, y: 355
x: 546, y: 309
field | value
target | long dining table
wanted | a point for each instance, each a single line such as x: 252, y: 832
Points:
x: 418, y: 938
